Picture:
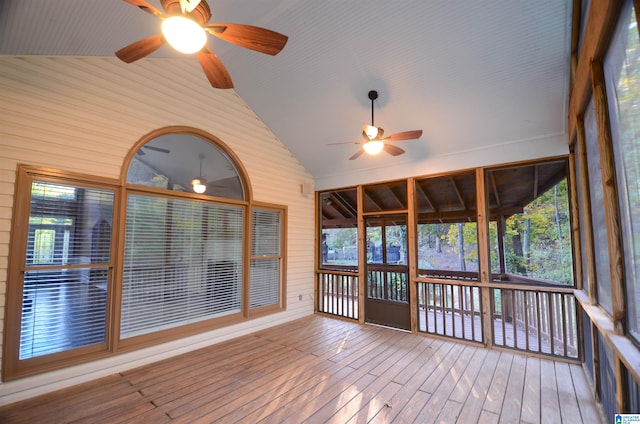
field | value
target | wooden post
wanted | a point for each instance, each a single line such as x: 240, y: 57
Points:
x: 483, y: 256
x: 317, y: 263
x: 412, y: 259
x: 575, y: 219
x: 612, y: 216
x: 362, y: 257
x: 585, y: 207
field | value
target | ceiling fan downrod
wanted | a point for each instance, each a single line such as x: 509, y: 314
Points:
x: 372, y: 96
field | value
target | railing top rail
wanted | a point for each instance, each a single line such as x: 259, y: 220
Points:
x: 498, y: 285
x: 347, y: 273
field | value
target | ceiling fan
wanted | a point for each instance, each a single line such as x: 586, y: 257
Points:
x: 374, y: 141
x: 184, y: 27
x: 157, y: 149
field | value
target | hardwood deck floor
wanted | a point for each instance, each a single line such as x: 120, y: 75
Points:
x: 325, y: 370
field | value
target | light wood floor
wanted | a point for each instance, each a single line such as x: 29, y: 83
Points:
x: 320, y: 369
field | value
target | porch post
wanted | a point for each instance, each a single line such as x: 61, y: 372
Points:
x: 483, y: 256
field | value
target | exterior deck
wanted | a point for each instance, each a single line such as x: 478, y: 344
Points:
x: 319, y: 369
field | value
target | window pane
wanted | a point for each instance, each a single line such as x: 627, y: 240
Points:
x: 447, y: 235
x: 62, y: 310
x: 598, y: 219
x: 622, y: 67
x: 65, y: 308
x: 183, y: 263
x: 266, y: 233
x: 396, y: 244
x: 69, y: 225
x: 265, y: 264
x: 530, y: 205
x: 265, y: 282
x: 339, y: 241
x: 173, y: 161
x: 340, y: 246
x: 448, y: 247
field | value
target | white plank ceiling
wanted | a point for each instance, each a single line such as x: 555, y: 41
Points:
x: 472, y: 74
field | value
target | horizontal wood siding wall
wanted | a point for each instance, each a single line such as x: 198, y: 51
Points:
x: 84, y: 115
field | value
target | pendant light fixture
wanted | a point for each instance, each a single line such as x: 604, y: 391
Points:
x: 198, y: 184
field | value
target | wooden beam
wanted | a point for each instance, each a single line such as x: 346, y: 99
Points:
x: 602, y: 17
x: 374, y: 201
x: 575, y: 218
x: 575, y: 38
x: 345, y: 204
x: 495, y: 189
x: 412, y: 252
x: 585, y: 207
x: 400, y: 203
x: 362, y: 256
x: 612, y: 215
x: 424, y: 194
x: 455, y: 188
x: 340, y: 223
x: 483, y: 256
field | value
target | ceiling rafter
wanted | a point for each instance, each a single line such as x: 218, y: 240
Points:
x: 400, y: 203
x: 422, y: 192
x: 495, y: 189
x: 351, y: 211
x: 374, y: 199
x: 457, y: 191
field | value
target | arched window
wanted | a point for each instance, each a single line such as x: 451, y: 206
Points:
x: 186, y: 162
x: 183, y: 255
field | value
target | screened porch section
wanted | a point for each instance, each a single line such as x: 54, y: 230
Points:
x: 526, y: 300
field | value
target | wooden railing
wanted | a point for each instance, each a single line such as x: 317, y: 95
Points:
x: 338, y: 292
x: 531, y: 316
x: 387, y: 282
x: 451, y: 309
x: 535, y: 319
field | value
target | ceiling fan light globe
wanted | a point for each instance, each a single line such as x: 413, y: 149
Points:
x: 198, y: 186
x: 373, y: 147
x: 183, y: 34
x: 371, y: 131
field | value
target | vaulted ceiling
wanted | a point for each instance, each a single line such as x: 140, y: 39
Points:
x: 473, y: 75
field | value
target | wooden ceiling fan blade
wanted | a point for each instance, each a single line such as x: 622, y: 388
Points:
x: 140, y: 49
x: 142, y: 4
x: 357, y: 154
x: 392, y: 150
x: 214, y: 70
x: 259, y: 39
x: 406, y: 135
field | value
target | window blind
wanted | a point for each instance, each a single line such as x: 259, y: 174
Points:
x: 66, y: 274
x: 265, y: 262
x: 182, y: 263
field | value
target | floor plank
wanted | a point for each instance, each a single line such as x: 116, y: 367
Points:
x: 324, y: 370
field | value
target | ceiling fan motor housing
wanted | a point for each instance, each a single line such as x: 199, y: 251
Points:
x: 201, y: 14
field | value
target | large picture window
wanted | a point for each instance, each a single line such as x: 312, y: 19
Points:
x: 182, y: 263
